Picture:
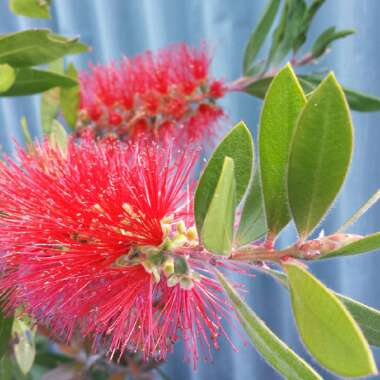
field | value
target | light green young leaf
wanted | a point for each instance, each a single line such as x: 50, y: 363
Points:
x: 49, y: 102
x: 70, y: 98
x: 252, y: 224
x: 328, y: 330
x: 25, y: 131
x: 258, y: 36
x: 7, y: 77
x: 218, y: 226
x: 36, y: 47
x: 272, y: 348
x: 282, y: 106
x: 326, y: 38
x: 320, y: 155
x: 58, y: 136
x: 238, y: 145
x: 25, y: 347
x: 33, y: 81
x: 30, y: 8
x: 367, y: 317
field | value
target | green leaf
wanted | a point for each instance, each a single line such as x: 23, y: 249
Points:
x: 32, y: 81
x: 282, y: 106
x: 25, y: 347
x: 5, y: 333
x: 273, y: 350
x: 30, y: 8
x: 258, y: 36
x: 328, y: 330
x: 25, y: 131
x: 218, y: 226
x: 287, y: 31
x: 366, y: 244
x: 49, y: 102
x: 238, y: 145
x: 306, y: 22
x: 252, y: 224
x: 320, y: 155
x: 36, y: 47
x: 367, y: 317
x: 277, y: 37
x: 7, y: 77
x: 70, y: 98
x: 58, y: 136
x: 326, y: 38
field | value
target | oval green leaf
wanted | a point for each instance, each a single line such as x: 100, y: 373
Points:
x: 252, y: 225
x: 272, y: 348
x: 282, y: 106
x: 218, y: 226
x: 320, y: 155
x: 7, y: 77
x: 366, y: 317
x: 238, y: 145
x: 328, y: 330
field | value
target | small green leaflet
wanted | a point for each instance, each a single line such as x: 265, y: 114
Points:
x: 218, y: 226
x: 238, y: 145
x: 326, y: 38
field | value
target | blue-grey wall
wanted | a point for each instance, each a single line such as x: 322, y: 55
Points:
x: 117, y: 27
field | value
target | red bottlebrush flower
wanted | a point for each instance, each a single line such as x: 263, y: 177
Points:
x: 169, y: 87
x: 98, y: 241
